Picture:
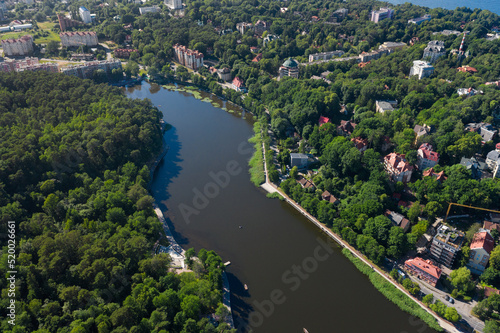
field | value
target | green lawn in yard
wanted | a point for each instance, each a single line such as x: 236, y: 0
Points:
x: 44, y: 28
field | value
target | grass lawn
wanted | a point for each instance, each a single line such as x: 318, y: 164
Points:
x: 9, y: 35
x: 45, y: 28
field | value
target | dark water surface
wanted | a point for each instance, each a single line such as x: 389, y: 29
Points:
x: 295, y: 278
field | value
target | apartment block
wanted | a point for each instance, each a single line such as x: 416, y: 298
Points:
x: 381, y: 14
x: 325, y: 55
x: 85, y: 15
x: 78, y: 38
x: 190, y: 58
x: 18, y: 46
x: 422, y: 69
x: 86, y: 71
x: 446, y: 244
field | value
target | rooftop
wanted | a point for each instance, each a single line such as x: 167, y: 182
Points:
x: 483, y: 240
x: 424, y: 265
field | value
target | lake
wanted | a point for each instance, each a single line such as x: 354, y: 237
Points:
x: 491, y: 5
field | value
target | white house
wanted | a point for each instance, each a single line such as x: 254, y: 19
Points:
x: 480, y: 249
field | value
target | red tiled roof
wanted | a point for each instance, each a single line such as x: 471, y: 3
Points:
x: 238, y: 82
x: 398, y: 162
x: 467, y: 69
x: 488, y: 291
x: 483, y: 240
x: 425, y: 266
x: 428, y: 152
x: 257, y: 58
x: 491, y: 226
x: 359, y: 142
x: 323, y: 120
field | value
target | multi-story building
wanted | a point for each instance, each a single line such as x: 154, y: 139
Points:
x: 434, y: 50
x: 493, y: 161
x: 238, y: 84
x: 299, y: 160
x: 2, y: 17
x: 65, y: 22
x: 269, y: 38
x: 86, y: 70
x: 190, y: 58
x: 85, y: 15
x: 424, y: 269
x: 339, y: 15
x: 446, y: 244
x: 487, y: 131
x: 480, y: 250
x: 78, y: 38
x: 426, y: 157
x: 391, y: 46
x: 360, y: 143
x: 398, y: 220
x: 145, y: 10
x: 325, y: 55
x: 18, y: 46
x: 384, y: 106
x: 381, y: 14
x: 398, y: 168
x: 243, y: 27
x: 124, y: 53
x: 260, y: 26
x: 82, y: 56
x: 372, y: 55
x: 421, y: 69
x: 289, y: 68
x: 420, y: 20
x: 173, y: 4
x: 224, y: 74
x: 27, y: 64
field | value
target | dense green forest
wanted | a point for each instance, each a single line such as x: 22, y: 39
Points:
x: 73, y: 178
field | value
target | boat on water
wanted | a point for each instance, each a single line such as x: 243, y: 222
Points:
x: 246, y: 287
x: 305, y: 331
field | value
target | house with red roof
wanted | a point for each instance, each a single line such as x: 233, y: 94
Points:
x: 397, y: 167
x: 238, y: 84
x: 426, y: 156
x: 424, y: 270
x: 345, y: 128
x: 257, y: 58
x: 480, y: 249
x: 323, y: 120
x: 440, y: 177
x: 467, y: 69
x: 360, y: 143
x: 397, y: 220
x: 327, y: 196
x: 487, y: 225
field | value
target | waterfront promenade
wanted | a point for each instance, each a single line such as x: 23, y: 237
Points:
x: 271, y: 188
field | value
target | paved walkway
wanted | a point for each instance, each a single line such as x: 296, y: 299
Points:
x: 443, y: 323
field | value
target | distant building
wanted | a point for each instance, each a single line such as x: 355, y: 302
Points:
x: 257, y: 58
x: 360, y: 143
x: 190, y: 58
x: 422, y: 69
x: 346, y: 128
x: 440, y: 177
x: 495, y: 217
x: 434, y: 50
x: 372, y: 55
x: 420, y: 20
x: 426, y: 156
x: 323, y: 120
x: 18, y: 47
x: 2, y: 17
x: 446, y: 244
x: 78, y: 38
x: 299, y: 160
x: 398, y: 168
x: 475, y: 165
x: 224, y: 74
x: 421, y: 131
x: 339, y: 15
x: 173, y: 4
x: 289, y: 68
x: 254, y: 49
x: 468, y: 92
x: 480, y: 250
x: 124, y: 53
x: 269, y: 38
x: 467, y: 69
x: 261, y: 26
x: 384, y: 106
x: 86, y: 70
x: 398, y: 220
x: 327, y: 196
x: 487, y: 131
x: 493, y: 161
x: 447, y: 32
x: 82, y: 56
x: 238, y: 85
x: 391, y: 46
x: 424, y: 269
x: 243, y: 27
x: 325, y: 55
x: 65, y: 23
x: 146, y: 10
x: 381, y: 14
x: 305, y: 183
x: 85, y: 15
x: 27, y: 64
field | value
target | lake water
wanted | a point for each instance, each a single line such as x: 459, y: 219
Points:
x: 296, y: 279
x: 491, y: 5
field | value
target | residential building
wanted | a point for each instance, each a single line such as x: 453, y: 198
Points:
x: 257, y: 58
x: 78, y: 38
x: 18, y: 46
x: 224, y: 74
x: 468, y: 92
x: 495, y: 217
x: 289, y: 68
x: 325, y: 55
x: 446, y: 244
x: 434, y: 50
x: 85, y: 15
x: 487, y: 225
x: 475, y: 165
x: 391, y: 46
x: 243, y: 27
x: 423, y: 269
x: 384, y: 106
x: 86, y: 70
x: 269, y: 38
x: 323, y: 120
x: 381, y: 14
x: 2, y: 15
x: 493, y: 161
x: 426, y: 156
x: 189, y: 58
x: 480, y: 250
x: 487, y: 131
x: 421, y: 131
x: 422, y: 69
x: 305, y: 183
x: 440, y: 177
x: 82, y: 56
x: 339, y: 15
x: 467, y: 69
x: 372, y: 55
x: 261, y: 26
x: 299, y: 160
x: 238, y: 84
x: 398, y: 168
x: 420, y: 20
x: 65, y: 22
x: 346, y: 128
x: 254, y: 49
x: 146, y: 10
x: 398, y: 220
x: 327, y: 196
x: 27, y: 64
x: 173, y: 4
x: 124, y: 53
x: 447, y: 32
x: 360, y: 143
